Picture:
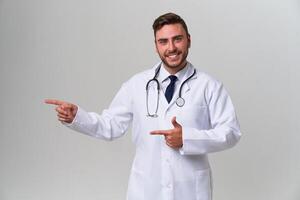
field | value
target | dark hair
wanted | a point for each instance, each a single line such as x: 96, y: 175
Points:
x: 168, y: 18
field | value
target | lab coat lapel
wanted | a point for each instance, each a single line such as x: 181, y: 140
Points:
x: 163, y: 101
x: 187, y: 86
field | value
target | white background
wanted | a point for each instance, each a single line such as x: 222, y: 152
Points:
x: 81, y: 51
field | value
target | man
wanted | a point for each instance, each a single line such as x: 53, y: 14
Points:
x: 181, y: 116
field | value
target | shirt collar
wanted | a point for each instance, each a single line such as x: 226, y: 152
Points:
x: 164, y: 74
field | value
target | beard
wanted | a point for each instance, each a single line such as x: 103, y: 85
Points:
x: 177, y: 64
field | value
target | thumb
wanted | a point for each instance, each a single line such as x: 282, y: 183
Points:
x: 175, y: 123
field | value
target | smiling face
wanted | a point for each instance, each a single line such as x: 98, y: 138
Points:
x: 172, y: 45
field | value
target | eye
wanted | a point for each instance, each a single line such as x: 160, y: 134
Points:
x: 178, y: 38
x: 162, y: 41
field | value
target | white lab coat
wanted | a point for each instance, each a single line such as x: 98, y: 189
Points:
x: 159, y: 172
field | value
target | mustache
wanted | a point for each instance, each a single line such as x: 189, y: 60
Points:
x: 169, y: 53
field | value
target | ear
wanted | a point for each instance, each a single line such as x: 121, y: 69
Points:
x: 155, y: 45
x: 189, y: 40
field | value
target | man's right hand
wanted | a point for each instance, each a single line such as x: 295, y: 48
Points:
x: 66, y: 112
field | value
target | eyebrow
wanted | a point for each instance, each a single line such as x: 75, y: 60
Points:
x: 162, y: 40
x: 165, y: 39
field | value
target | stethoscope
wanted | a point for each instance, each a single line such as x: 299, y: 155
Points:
x: 179, y: 101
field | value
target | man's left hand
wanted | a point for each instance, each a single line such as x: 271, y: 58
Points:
x: 173, y: 136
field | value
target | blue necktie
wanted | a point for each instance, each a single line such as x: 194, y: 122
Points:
x: 170, y: 89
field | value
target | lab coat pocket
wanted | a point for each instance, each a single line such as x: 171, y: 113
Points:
x: 195, y: 116
x: 203, y: 184
x: 136, y: 185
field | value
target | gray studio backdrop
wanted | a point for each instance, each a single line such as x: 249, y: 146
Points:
x: 81, y: 51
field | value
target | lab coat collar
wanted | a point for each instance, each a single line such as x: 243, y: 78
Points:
x: 150, y: 73
x: 190, y: 70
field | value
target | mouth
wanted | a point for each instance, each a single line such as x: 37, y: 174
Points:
x: 173, y: 56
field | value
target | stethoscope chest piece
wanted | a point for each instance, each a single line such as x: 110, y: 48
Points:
x: 180, y: 101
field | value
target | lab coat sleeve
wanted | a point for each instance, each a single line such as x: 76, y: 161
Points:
x: 224, y: 132
x: 112, y: 123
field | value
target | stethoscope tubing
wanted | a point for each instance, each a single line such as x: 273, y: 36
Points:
x: 179, y: 101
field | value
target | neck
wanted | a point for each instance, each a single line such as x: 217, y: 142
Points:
x: 174, y: 70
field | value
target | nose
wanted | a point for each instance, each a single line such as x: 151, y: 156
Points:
x: 171, y: 46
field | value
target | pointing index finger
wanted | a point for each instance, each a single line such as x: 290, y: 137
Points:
x: 160, y: 132
x: 53, y: 102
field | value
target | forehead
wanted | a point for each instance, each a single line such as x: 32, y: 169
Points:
x: 169, y: 31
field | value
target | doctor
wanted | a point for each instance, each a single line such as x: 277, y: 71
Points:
x: 179, y: 115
